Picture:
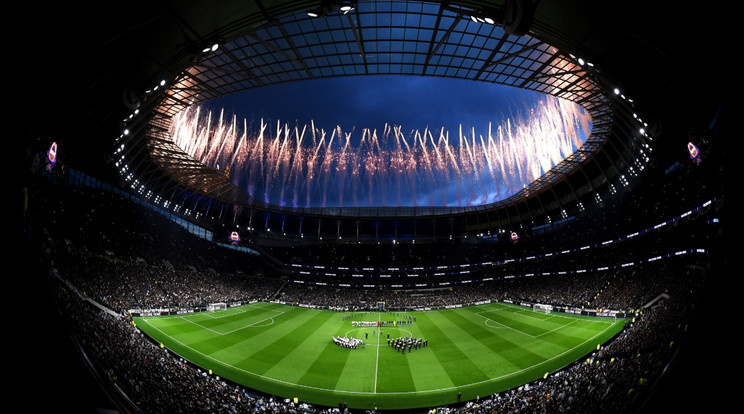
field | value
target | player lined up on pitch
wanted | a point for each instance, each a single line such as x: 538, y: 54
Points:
x: 407, y: 343
x: 383, y: 323
x: 401, y: 319
x: 346, y: 342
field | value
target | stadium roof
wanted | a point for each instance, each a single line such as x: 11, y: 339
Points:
x: 266, y: 42
x: 409, y: 38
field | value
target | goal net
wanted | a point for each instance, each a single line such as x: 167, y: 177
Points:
x: 216, y: 306
x: 539, y: 307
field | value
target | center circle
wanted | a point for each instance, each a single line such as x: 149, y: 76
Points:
x: 410, y: 334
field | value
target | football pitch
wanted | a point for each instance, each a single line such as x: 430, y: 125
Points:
x: 289, y: 351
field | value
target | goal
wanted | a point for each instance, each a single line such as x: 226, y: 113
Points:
x: 216, y: 306
x: 539, y: 307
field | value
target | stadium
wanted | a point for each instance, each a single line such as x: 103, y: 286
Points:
x: 181, y: 266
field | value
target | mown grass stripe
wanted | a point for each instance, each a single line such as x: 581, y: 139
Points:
x: 292, y: 335
x: 240, y: 345
x: 228, y: 324
x: 182, y: 332
x: 327, y: 367
x: 425, y: 370
x: 487, y: 346
x: 459, y: 367
x: 395, y: 366
x: 518, y: 321
x: 358, y: 373
x: 514, y: 347
x: 298, y: 360
x: 405, y: 394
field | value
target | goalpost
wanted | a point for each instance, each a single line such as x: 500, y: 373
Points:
x: 539, y: 307
x: 216, y: 306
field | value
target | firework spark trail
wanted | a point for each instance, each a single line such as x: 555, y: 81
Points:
x: 500, y: 153
x: 439, y: 163
x: 326, y: 166
x: 257, y: 155
x: 342, y: 166
x: 224, y: 137
x: 477, y: 169
x: 240, y: 148
x: 297, y: 168
x: 284, y: 165
x: 487, y: 151
x: 427, y: 163
x: 312, y: 165
x: 212, y: 152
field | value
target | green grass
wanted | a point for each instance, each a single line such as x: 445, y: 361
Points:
x: 288, y: 351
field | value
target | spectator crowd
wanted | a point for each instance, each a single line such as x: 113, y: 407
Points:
x: 87, y: 262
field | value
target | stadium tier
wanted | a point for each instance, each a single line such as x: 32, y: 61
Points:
x: 561, y: 260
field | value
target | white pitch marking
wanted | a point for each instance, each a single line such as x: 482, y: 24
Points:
x: 377, y: 359
x: 310, y: 387
x: 278, y: 313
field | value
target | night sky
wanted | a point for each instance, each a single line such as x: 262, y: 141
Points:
x: 413, y: 102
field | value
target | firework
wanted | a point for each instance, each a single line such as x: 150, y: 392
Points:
x: 305, y: 166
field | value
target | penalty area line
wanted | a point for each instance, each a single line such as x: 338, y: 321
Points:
x: 350, y: 392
